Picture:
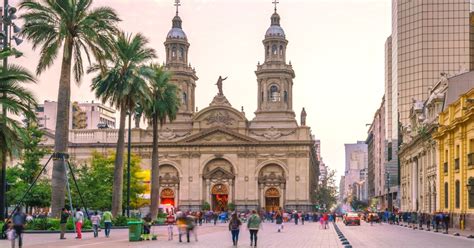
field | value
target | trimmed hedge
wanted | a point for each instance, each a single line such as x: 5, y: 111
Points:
x: 53, y: 224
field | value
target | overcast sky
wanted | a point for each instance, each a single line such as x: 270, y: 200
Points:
x: 336, y: 48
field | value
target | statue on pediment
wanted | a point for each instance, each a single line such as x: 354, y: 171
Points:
x: 219, y: 84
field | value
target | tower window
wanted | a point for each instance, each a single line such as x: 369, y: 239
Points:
x: 285, y: 96
x: 268, y: 51
x: 181, y: 53
x: 261, y: 97
x: 281, y: 50
x: 274, y: 50
x: 173, y: 52
x: 274, y: 93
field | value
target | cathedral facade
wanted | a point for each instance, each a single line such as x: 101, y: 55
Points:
x: 217, y: 156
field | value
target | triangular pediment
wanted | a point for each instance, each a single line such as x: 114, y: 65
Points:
x: 218, y: 173
x: 219, y: 135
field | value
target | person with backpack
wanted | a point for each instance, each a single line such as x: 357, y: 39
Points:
x: 234, y: 228
x: 253, y: 225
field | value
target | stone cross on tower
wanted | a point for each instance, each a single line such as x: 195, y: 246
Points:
x: 275, y: 2
x: 177, y: 3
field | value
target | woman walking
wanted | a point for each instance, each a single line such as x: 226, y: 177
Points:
x: 95, y: 219
x: 279, y: 221
x: 253, y: 225
x: 234, y: 228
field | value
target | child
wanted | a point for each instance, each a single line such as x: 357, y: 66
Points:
x: 11, y: 233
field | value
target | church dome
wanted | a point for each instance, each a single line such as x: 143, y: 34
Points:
x: 176, y: 31
x: 275, y: 30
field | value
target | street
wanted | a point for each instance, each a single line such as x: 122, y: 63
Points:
x: 384, y: 235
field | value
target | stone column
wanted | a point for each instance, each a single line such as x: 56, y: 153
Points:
x: 231, y: 191
x: 261, y: 195
x: 176, y: 196
x: 208, y: 191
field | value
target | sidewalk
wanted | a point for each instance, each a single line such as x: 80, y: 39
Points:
x: 451, y: 231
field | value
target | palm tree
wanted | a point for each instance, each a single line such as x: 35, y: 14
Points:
x: 123, y: 84
x: 163, y: 105
x: 76, y: 28
x: 16, y: 101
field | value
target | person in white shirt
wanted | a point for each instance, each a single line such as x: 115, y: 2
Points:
x: 79, y: 220
x: 95, y: 219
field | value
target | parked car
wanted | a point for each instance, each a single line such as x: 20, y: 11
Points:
x: 352, y: 218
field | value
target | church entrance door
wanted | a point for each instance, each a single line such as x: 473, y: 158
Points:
x: 220, y: 195
x: 272, y: 199
x: 167, y: 197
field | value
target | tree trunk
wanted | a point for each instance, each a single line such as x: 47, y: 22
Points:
x: 117, y: 195
x: 155, y: 177
x: 61, y: 138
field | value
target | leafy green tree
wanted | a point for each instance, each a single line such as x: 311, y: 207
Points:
x: 74, y: 27
x: 163, y: 104
x: 95, y: 182
x: 23, y: 174
x: 326, y: 194
x: 123, y: 84
x: 15, y: 101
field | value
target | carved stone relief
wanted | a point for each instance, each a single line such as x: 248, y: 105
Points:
x: 272, y: 133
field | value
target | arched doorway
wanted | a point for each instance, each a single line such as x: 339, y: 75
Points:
x: 272, y: 199
x: 169, y: 185
x: 220, y: 197
x: 218, y: 176
x: 271, y: 186
x: 167, y: 197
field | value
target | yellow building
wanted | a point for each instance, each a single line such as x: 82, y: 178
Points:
x: 455, y: 137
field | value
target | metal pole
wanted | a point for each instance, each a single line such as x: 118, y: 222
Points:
x: 128, y: 161
x: 70, y: 198
x: 3, y: 174
x: 71, y: 170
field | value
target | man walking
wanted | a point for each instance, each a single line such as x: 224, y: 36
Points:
x: 19, y: 220
x: 63, y: 221
x: 79, y: 220
x: 95, y: 219
x: 279, y: 221
x: 107, y: 216
x: 446, y: 222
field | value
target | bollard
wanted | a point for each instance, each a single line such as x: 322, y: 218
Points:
x: 456, y: 234
x: 345, y: 243
x: 470, y: 236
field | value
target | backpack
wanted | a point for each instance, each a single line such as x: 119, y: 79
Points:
x: 234, y: 225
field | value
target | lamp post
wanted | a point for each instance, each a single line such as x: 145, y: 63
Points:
x: 129, y: 148
x: 5, y: 39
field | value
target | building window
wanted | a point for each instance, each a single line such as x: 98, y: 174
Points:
x: 173, y: 52
x: 281, y: 50
x: 285, y: 96
x: 470, y: 191
x: 261, y: 97
x: 274, y: 93
x: 458, y: 200
x: 446, y: 198
x: 389, y: 151
x: 268, y: 51
x: 274, y: 50
x: 185, y: 99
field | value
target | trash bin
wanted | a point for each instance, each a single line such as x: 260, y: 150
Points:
x: 135, y: 229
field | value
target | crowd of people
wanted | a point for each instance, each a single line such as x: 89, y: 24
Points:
x: 185, y: 223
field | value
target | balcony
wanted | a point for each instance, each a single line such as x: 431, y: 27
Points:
x: 456, y: 164
x: 470, y: 159
x: 445, y: 167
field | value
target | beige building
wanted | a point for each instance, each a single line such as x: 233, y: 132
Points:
x: 419, y: 154
x: 217, y: 155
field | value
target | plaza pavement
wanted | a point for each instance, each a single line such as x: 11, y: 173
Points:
x: 310, y: 235
x: 385, y: 235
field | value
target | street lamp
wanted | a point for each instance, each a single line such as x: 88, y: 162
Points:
x: 5, y: 42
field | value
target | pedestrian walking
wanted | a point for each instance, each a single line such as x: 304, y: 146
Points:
x: 170, y: 231
x: 95, y: 219
x: 279, y: 221
x: 446, y: 222
x: 79, y: 220
x: 302, y: 218
x: 326, y: 219
x: 296, y: 217
x: 63, y: 221
x: 182, y: 226
x: 253, y: 225
x: 215, y: 216
x: 18, y: 221
x: 234, y: 228
x: 107, y: 217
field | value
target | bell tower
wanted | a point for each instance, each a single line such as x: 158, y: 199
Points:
x: 275, y: 78
x: 183, y: 75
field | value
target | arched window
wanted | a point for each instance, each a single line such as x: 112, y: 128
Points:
x: 185, y: 99
x: 274, y: 50
x: 262, y: 97
x: 285, y: 96
x: 446, y: 198
x: 274, y: 93
x: 281, y: 50
x: 173, y: 52
x: 458, y: 189
x: 268, y: 51
x: 181, y: 53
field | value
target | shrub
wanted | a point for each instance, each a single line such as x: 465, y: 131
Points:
x: 206, y: 206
